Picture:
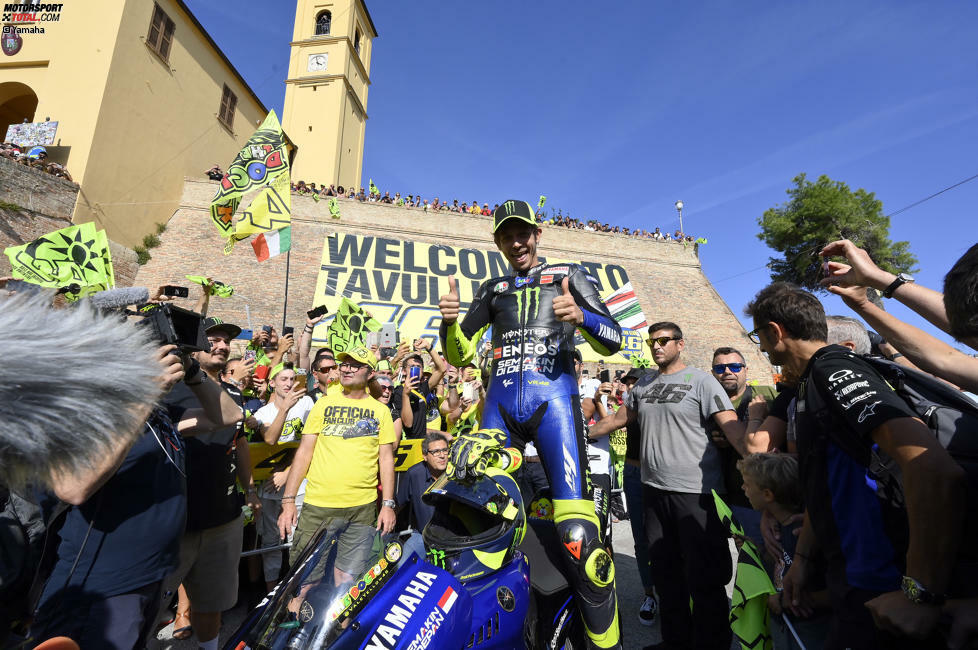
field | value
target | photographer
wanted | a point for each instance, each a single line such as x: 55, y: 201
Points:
x: 121, y: 538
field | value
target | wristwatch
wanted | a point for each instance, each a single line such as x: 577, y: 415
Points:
x: 901, y: 279
x: 390, y: 503
x: 918, y: 593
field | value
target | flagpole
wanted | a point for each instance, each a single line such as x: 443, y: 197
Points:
x: 285, y: 302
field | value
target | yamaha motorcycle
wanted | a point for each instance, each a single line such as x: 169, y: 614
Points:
x: 411, y: 598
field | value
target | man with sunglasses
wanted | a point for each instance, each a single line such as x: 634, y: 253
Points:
x: 751, y: 404
x: 688, y: 550
x: 326, y: 373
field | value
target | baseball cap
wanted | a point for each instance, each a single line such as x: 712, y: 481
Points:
x: 634, y: 373
x: 360, y: 355
x: 513, y: 209
x: 212, y: 324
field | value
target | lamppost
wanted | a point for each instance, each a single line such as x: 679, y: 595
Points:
x: 679, y: 207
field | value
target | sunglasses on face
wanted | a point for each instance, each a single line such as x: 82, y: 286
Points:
x: 720, y: 368
x: 325, y: 368
x: 439, y: 452
x: 662, y: 340
x: 386, y: 387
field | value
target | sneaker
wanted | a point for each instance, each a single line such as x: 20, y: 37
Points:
x: 648, y: 610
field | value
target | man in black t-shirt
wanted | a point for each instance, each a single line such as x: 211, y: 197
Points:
x: 889, y: 560
x: 211, y: 545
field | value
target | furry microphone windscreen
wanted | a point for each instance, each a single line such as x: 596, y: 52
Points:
x: 72, y: 382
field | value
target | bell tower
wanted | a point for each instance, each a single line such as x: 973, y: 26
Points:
x: 325, y: 112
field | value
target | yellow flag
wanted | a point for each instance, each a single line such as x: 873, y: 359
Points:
x: 76, y: 254
x: 270, y: 210
x: 263, y: 158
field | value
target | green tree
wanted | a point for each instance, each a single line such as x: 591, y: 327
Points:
x: 822, y: 212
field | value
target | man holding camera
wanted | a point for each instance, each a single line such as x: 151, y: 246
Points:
x: 121, y: 538
x: 415, y: 401
x: 211, y: 544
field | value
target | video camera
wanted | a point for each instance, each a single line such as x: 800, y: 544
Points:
x: 171, y: 325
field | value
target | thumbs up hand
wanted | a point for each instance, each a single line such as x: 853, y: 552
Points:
x: 565, y: 307
x: 449, y: 303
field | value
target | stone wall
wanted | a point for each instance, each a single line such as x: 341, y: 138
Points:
x: 666, y: 276
x: 33, y: 203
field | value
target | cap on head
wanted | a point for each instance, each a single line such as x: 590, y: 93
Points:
x: 360, y: 355
x: 212, y: 325
x: 513, y: 209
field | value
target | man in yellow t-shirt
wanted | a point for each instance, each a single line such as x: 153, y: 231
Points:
x: 346, y: 438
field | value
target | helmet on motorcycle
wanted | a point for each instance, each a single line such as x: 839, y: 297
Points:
x: 476, y: 526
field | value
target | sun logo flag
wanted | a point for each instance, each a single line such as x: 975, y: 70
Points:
x: 78, y: 254
x: 350, y: 326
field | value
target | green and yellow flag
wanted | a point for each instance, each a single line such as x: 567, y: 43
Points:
x: 334, y: 207
x: 78, y: 254
x: 541, y: 202
x: 373, y: 188
x: 350, y: 326
x: 270, y: 210
x: 263, y: 159
x: 750, y: 620
x: 217, y: 288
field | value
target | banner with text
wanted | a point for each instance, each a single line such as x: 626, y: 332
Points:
x: 400, y: 282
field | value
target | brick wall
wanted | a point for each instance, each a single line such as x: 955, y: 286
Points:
x: 666, y: 276
x: 36, y: 191
x: 36, y: 203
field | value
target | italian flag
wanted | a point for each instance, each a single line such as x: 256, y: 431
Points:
x: 270, y: 244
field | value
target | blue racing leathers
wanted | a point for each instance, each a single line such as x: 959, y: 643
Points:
x: 533, y: 396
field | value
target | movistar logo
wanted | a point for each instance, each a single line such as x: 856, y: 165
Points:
x: 510, y: 207
x: 528, y: 303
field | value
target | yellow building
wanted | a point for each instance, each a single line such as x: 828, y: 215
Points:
x: 325, y: 111
x: 143, y: 97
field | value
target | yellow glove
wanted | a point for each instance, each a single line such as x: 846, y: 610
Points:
x: 473, y: 452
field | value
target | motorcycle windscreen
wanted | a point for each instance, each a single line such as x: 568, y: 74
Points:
x: 341, y: 568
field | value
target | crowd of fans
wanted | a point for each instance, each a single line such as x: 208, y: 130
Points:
x: 862, y: 514
x: 416, y: 201
x: 35, y: 158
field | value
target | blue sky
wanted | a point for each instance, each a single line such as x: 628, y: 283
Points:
x: 615, y: 115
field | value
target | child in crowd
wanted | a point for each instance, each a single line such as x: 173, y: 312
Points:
x: 772, y: 485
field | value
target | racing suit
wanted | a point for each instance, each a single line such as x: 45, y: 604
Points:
x: 533, y: 396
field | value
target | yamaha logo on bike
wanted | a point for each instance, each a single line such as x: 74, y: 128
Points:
x: 506, y: 599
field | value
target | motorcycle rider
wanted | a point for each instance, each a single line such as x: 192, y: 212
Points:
x: 533, y: 393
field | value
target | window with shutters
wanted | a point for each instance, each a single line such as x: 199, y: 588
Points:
x: 228, y: 103
x: 160, y: 36
x: 323, y: 21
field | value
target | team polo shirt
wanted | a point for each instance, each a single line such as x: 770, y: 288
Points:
x: 343, y: 472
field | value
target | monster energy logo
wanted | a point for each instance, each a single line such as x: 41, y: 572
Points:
x: 510, y: 207
x: 437, y: 558
x: 528, y: 303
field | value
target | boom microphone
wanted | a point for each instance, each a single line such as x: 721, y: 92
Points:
x: 111, y: 375
x: 119, y: 298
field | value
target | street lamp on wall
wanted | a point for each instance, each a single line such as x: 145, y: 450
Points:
x: 679, y: 207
